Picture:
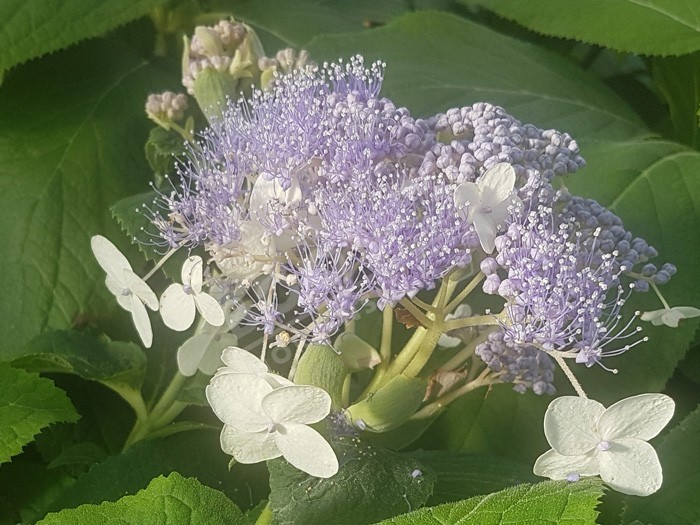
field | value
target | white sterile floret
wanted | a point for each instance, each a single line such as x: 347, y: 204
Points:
x: 487, y: 201
x: 670, y: 316
x: 179, y: 301
x: 262, y: 422
x: 239, y: 361
x: 131, y: 291
x: 587, y: 439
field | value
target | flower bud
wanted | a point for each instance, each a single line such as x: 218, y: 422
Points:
x: 220, y: 62
x: 356, y: 353
x: 165, y: 108
x: 285, y: 62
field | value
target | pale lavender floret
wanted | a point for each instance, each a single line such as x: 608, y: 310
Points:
x: 484, y: 135
x: 562, y: 295
x: 404, y: 230
x: 523, y: 365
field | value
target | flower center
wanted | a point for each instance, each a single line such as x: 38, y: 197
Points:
x: 126, y: 292
x: 272, y: 427
x: 603, y: 446
x: 187, y: 289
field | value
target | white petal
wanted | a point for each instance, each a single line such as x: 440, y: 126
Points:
x: 139, y: 287
x: 209, y: 308
x: 249, y: 447
x: 297, y: 403
x: 177, y: 308
x: 631, y: 466
x: 307, y: 450
x: 486, y: 230
x: 467, y: 194
x: 687, y: 311
x: 496, y: 184
x: 242, y: 361
x: 447, y: 341
x: 655, y: 317
x: 211, y: 360
x: 556, y: 466
x: 236, y: 398
x: 192, y: 273
x: 641, y: 417
x: 108, y: 256
x: 570, y: 425
x: 141, y: 321
x: 191, y: 352
x: 116, y: 288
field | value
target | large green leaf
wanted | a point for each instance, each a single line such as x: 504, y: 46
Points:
x: 648, y: 27
x: 71, y: 144
x: 655, y: 188
x: 32, y: 28
x: 195, y: 453
x: 372, y: 484
x: 436, y: 61
x: 304, y: 19
x: 677, y: 499
x: 678, y: 78
x: 27, y: 404
x: 120, y: 366
x: 547, y: 502
x: 166, y: 500
x: 461, y: 475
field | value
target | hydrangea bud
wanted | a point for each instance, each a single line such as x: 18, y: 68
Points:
x: 220, y: 62
x: 285, y: 62
x: 165, y: 108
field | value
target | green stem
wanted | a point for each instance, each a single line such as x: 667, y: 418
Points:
x: 169, y: 397
x: 415, y: 312
x: 424, y: 351
x: 476, y: 320
x: 454, y: 303
x: 569, y: 374
x: 441, y: 403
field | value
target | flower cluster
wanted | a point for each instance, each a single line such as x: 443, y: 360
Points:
x: 317, y: 197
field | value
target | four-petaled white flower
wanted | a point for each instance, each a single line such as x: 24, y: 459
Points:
x: 179, y: 301
x: 262, y: 421
x: 487, y: 201
x: 670, y: 316
x: 131, y: 291
x: 587, y: 439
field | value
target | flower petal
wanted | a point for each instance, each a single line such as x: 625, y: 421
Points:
x: 467, y: 194
x: 297, y: 403
x: 191, y: 352
x: 141, y: 321
x: 631, y: 466
x: 553, y: 465
x: 242, y: 361
x: 249, y: 447
x: 139, y: 287
x: 496, y: 184
x: 307, y: 450
x: 656, y: 316
x: 209, y: 308
x: 191, y: 273
x: 640, y: 417
x: 211, y: 360
x: 116, y: 288
x: 570, y: 425
x: 486, y: 230
x: 177, y: 308
x: 236, y: 398
x: 110, y: 259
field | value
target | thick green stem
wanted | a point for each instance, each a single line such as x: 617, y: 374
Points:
x: 441, y: 403
x: 265, y: 517
x: 476, y: 320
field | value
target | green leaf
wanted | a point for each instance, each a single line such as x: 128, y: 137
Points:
x: 304, y: 19
x: 546, y: 502
x: 195, y: 453
x: 462, y: 63
x: 461, y: 475
x: 676, y: 501
x: 652, y: 27
x: 71, y: 144
x: 28, y: 403
x: 678, y: 78
x: 372, y: 484
x: 166, y: 500
x: 32, y: 28
x: 115, y: 364
x: 161, y: 149
x: 654, y: 187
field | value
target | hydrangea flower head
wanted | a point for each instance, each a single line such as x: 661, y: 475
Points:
x: 587, y: 439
